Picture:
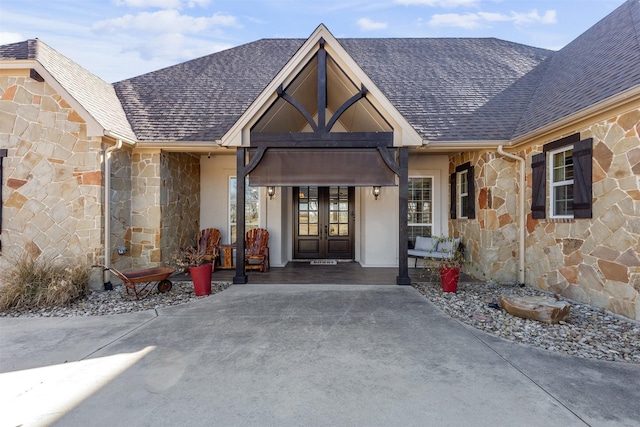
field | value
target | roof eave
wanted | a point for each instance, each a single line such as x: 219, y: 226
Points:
x: 574, y: 122
x: 471, y: 145
x: 94, y: 128
x: 184, y: 146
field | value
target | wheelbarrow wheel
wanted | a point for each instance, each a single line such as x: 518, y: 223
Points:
x: 164, y: 285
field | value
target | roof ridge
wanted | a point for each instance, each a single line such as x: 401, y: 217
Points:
x: 635, y: 22
x: 544, y: 63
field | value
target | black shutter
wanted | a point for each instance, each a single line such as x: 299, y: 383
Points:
x: 471, y: 180
x: 538, y: 186
x: 452, y: 195
x: 582, y: 178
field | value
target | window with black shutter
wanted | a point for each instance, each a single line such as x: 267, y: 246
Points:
x: 462, y: 187
x: 565, y: 167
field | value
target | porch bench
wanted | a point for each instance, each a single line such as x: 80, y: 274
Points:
x: 434, y: 248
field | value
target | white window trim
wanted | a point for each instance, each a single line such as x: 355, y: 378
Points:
x: 462, y: 194
x: 433, y: 202
x: 233, y: 202
x: 553, y: 185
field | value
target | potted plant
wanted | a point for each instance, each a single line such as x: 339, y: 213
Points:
x: 448, y: 263
x: 189, y: 259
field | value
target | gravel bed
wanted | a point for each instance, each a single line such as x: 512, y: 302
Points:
x: 99, y: 303
x: 588, y: 332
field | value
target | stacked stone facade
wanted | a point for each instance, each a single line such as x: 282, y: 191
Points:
x: 52, y: 193
x: 52, y: 184
x: 121, y: 165
x: 179, y: 201
x: 491, y: 239
x: 589, y: 260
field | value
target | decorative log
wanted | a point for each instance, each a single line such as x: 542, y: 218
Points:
x: 544, y: 309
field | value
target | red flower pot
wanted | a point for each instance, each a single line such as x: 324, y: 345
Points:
x: 201, y: 276
x: 449, y: 277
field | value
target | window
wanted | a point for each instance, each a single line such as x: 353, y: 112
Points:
x: 561, y: 182
x: 463, y: 194
x: 252, y: 207
x: 569, y: 179
x: 420, y: 211
x: 462, y: 187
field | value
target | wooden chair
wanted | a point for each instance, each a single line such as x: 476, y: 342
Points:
x: 208, y: 241
x: 257, y: 250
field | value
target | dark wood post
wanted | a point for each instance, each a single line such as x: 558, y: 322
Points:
x: 241, y: 276
x: 403, y: 200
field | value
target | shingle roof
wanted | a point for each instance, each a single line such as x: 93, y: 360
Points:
x: 600, y: 63
x: 453, y: 89
x: 448, y: 89
x: 201, y: 99
x: 94, y: 94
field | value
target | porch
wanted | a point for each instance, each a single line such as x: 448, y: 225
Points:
x: 302, y: 273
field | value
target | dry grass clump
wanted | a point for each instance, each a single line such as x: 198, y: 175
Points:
x: 40, y: 282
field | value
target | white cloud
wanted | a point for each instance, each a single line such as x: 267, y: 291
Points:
x: 438, y: 3
x: 174, y: 48
x: 472, y: 21
x: 8, y: 38
x: 165, y: 21
x: 468, y: 21
x: 162, y: 4
x: 367, y: 24
x: 533, y: 17
x: 198, y: 3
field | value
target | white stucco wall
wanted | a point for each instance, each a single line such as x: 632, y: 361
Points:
x: 214, y: 192
x: 215, y: 172
x: 377, y: 222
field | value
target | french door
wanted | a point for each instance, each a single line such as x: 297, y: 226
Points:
x: 323, y: 222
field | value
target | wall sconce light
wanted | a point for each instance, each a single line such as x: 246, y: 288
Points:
x: 375, y: 191
x: 271, y: 191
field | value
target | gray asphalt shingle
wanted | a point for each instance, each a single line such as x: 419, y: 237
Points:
x: 602, y: 62
x: 448, y: 89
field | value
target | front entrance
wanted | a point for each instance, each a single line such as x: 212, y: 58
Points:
x: 324, y: 222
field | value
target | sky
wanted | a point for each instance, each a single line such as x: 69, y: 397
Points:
x: 119, y: 39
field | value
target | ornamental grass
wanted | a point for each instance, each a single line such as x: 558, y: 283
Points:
x: 36, y: 283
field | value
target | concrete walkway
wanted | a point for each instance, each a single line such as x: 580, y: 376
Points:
x: 284, y: 355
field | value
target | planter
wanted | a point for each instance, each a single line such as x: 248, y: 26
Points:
x: 201, y: 276
x: 449, y: 277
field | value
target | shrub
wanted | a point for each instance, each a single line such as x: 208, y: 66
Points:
x: 36, y: 283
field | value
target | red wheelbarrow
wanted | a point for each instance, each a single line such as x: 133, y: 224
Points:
x: 141, y: 282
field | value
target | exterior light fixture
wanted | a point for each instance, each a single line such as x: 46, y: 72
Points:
x: 375, y: 191
x: 271, y: 191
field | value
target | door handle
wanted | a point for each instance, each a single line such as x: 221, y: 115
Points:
x: 326, y: 232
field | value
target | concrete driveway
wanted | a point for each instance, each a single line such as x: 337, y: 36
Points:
x: 285, y: 355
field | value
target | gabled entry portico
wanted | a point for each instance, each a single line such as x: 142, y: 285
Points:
x: 321, y: 129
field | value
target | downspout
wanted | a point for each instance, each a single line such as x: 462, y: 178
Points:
x: 521, y: 217
x: 107, y: 213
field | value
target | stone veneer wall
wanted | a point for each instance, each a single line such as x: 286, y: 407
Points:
x: 179, y: 201
x: 165, y: 206
x: 51, y: 191
x: 145, y: 209
x: 121, y: 165
x: 491, y: 238
x: 595, y: 260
